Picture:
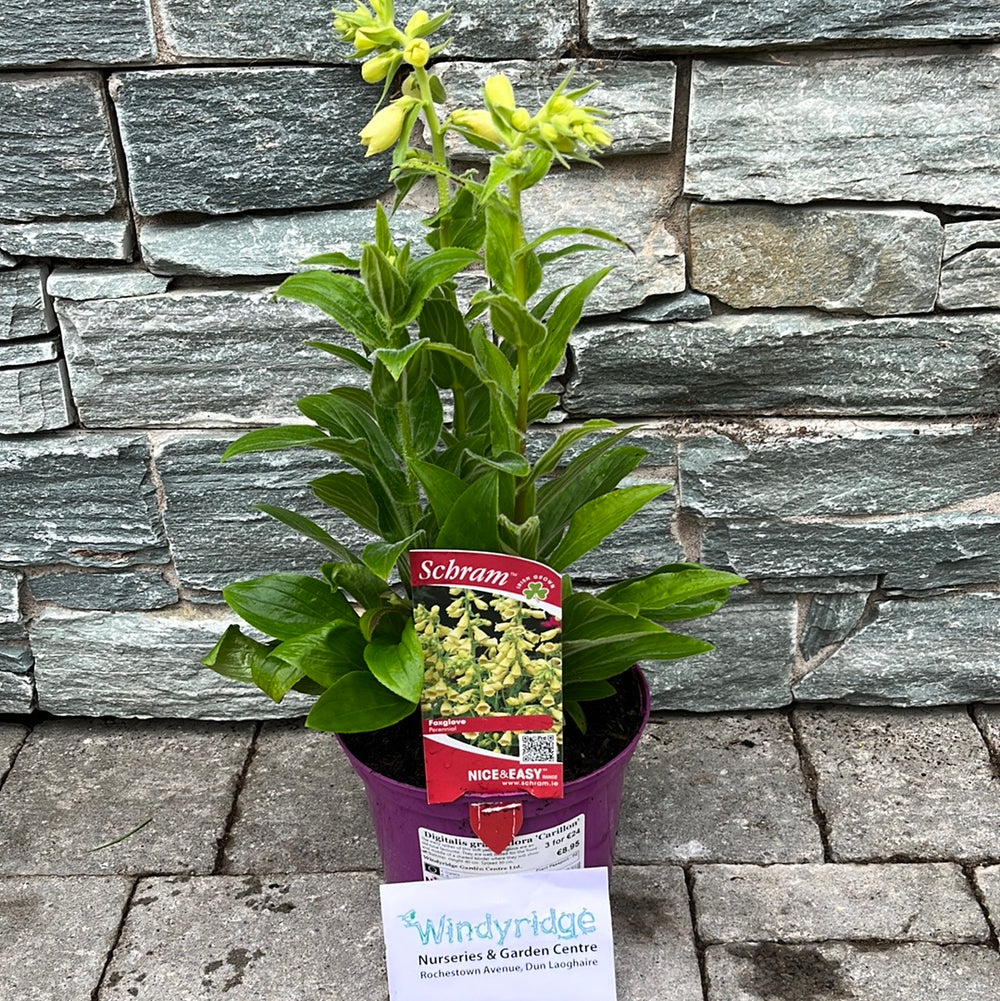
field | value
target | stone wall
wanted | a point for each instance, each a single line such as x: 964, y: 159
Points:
x: 808, y: 328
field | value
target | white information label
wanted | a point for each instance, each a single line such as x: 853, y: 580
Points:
x: 523, y: 935
x: 447, y: 856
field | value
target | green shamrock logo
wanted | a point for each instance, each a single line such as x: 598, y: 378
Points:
x: 535, y: 590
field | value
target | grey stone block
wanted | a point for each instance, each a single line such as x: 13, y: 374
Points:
x: 136, y: 590
x: 24, y: 310
x: 142, y: 664
x: 751, y: 667
x: 102, y: 32
x: 231, y: 140
x: 197, y: 358
x: 216, y: 538
x: 841, y: 259
x: 81, y: 499
x: 815, y: 903
x: 915, y: 653
x: 109, y: 238
x: 699, y: 24
x: 638, y: 96
x: 16, y: 693
x: 654, y: 942
x: 717, y: 789
x: 988, y: 882
x: 283, y: 29
x: 866, y: 124
x: 971, y: 280
x: 16, y: 353
x: 875, y: 972
x: 685, y: 305
x: 911, y: 554
x: 260, y: 244
x: 251, y: 937
x: 825, y: 586
x: 10, y: 584
x: 106, y: 283
x: 11, y: 738
x: 787, y: 362
x: 301, y: 808
x: 883, y: 780
x: 60, y: 155
x: 630, y: 194
x: 34, y: 398
x: 783, y: 469
x: 56, y: 934
x: 829, y: 619
x: 180, y: 777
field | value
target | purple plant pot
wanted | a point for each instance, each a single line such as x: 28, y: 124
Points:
x: 411, y: 833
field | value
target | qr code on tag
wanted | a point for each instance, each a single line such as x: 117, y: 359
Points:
x: 538, y: 748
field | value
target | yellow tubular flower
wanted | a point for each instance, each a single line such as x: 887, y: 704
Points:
x: 377, y: 67
x: 480, y: 122
x: 385, y: 127
x: 499, y: 93
x: 416, y: 52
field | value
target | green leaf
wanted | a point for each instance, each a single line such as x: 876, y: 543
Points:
x: 275, y: 677
x: 442, y: 487
x: 472, y: 520
x: 598, y: 518
x: 349, y: 493
x: 398, y: 665
x: 326, y: 655
x: 348, y: 413
x: 546, y: 357
x: 589, y: 691
x: 549, y: 459
x: 357, y: 703
x: 334, y: 259
x: 426, y: 415
x: 661, y: 594
x: 368, y: 589
x: 593, y: 660
x: 273, y: 439
x: 346, y: 354
x: 235, y: 655
x: 512, y: 463
x: 380, y: 557
x: 427, y: 273
x: 396, y: 359
x: 513, y: 322
x: 561, y: 231
x: 385, y: 285
x: 575, y: 712
x: 340, y: 296
x: 286, y: 605
x: 308, y: 528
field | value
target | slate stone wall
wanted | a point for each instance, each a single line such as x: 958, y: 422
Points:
x: 808, y: 327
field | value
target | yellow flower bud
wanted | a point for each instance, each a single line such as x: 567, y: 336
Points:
x: 417, y: 21
x: 384, y: 128
x: 480, y: 122
x: 499, y: 93
x: 377, y: 67
x: 521, y: 120
x: 362, y: 43
x: 416, y: 52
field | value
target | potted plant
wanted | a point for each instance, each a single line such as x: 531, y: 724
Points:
x: 476, y: 480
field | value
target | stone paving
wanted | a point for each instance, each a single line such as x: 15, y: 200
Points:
x: 822, y: 854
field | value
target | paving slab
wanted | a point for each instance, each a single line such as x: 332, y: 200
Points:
x: 78, y: 785
x: 988, y: 882
x: 654, y: 941
x: 839, y: 971
x: 724, y: 788
x: 904, y: 785
x: 11, y: 738
x: 301, y: 809
x: 249, y: 938
x: 930, y: 902
x: 56, y: 933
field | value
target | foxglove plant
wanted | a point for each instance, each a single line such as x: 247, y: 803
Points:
x: 414, y: 480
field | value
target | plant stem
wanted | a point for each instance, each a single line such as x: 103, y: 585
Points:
x: 437, y: 145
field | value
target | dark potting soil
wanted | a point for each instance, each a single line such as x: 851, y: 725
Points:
x: 396, y: 751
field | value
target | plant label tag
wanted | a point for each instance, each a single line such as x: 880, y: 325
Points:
x: 540, y: 934
x: 490, y: 628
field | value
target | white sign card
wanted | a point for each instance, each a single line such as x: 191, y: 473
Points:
x: 537, y: 934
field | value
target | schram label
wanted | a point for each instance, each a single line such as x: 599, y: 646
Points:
x: 490, y: 628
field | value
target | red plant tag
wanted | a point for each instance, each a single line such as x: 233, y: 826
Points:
x: 496, y: 824
x: 490, y: 628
